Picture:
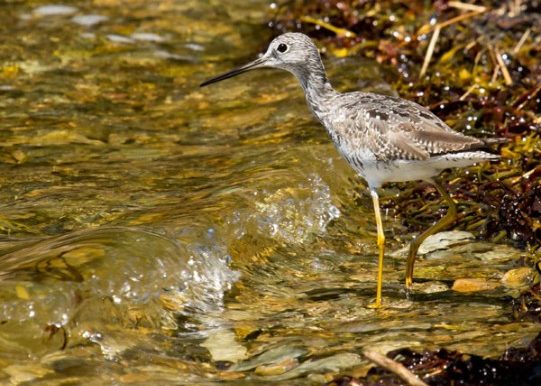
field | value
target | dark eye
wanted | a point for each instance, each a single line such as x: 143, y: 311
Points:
x: 282, y: 48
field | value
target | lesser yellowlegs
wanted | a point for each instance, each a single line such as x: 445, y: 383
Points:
x: 383, y: 138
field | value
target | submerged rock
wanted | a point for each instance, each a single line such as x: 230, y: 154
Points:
x: 54, y: 10
x: 223, y: 346
x: 277, y: 368
x: 276, y: 355
x: 333, y: 363
x: 89, y: 20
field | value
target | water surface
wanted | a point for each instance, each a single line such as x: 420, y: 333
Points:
x: 155, y: 232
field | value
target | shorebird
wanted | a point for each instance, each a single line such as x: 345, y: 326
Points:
x: 383, y: 138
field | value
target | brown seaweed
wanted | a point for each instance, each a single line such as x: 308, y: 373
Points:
x: 516, y: 366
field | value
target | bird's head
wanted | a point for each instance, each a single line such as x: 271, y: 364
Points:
x: 293, y: 52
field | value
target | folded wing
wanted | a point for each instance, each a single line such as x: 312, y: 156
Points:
x: 395, y: 128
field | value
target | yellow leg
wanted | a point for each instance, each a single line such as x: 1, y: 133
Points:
x: 444, y: 222
x: 381, y: 246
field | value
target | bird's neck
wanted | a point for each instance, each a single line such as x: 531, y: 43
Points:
x: 317, y: 88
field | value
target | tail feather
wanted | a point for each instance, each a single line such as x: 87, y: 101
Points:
x: 462, y: 159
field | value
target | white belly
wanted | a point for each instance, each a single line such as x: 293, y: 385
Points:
x: 377, y: 173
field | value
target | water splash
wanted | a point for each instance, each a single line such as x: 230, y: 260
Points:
x: 92, y: 281
x: 290, y: 215
x: 207, y: 275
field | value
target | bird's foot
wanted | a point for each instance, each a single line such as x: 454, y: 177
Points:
x: 375, y: 305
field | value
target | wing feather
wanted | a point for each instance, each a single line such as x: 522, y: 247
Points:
x: 394, y: 128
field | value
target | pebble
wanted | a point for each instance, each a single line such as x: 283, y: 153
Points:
x: 473, y: 285
x: 518, y: 277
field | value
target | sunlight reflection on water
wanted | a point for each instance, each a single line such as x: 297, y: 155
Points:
x: 154, y: 232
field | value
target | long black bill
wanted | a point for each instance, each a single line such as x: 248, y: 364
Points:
x: 237, y: 71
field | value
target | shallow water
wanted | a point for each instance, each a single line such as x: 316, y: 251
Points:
x: 155, y: 232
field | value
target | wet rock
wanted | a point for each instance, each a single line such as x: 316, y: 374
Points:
x: 54, y: 10
x: 147, y: 37
x: 498, y: 252
x: 444, y: 244
x: 518, y: 277
x: 61, y: 137
x: 223, y: 346
x: 163, y: 54
x: 89, y: 20
x: 333, y: 363
x: 277, y: 368
x: 281, y: 354
x: 230, y: 376
x: 444, y: 240
x: 26, y: 373
x: 136, y: 377
x: 473, y: 285
x: 430, y: 287
x: 119, y: 39
x: 469, y: 247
